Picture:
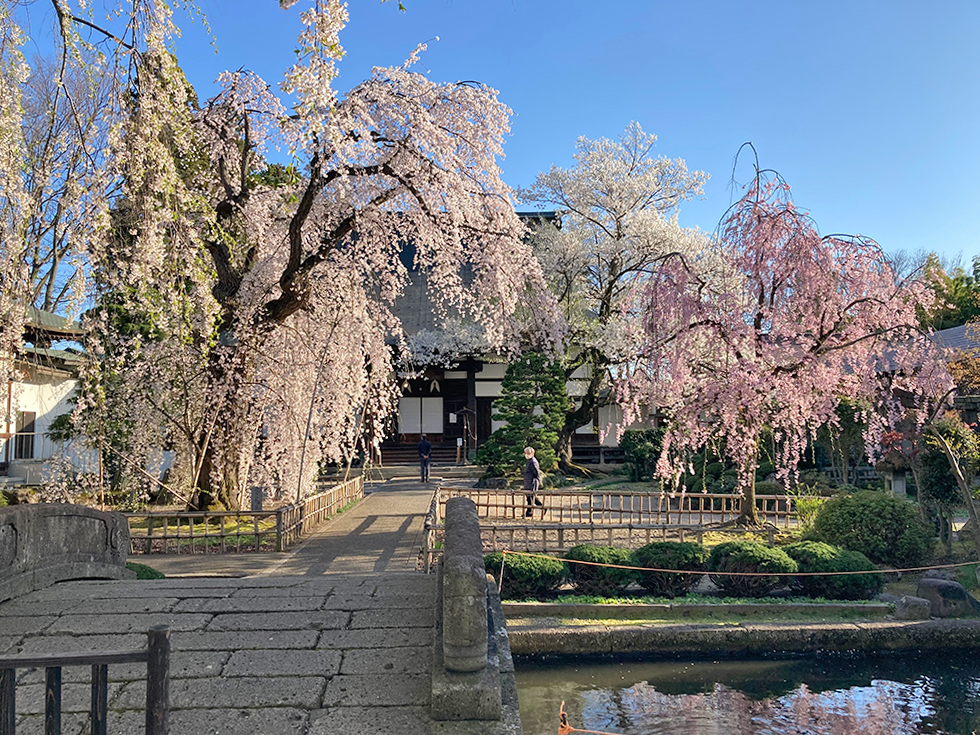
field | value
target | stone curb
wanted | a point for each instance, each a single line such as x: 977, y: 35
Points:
x: 747, y: 638
x: 874, y: 611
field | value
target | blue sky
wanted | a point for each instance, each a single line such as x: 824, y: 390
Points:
x: 869, y: 108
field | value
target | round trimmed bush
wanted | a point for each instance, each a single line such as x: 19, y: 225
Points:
x: 687, y: 556
x: 815, y: 556
x: 525, y: 576
x: 600, y: 581
x: 886, y: 529
x: 749, y: 556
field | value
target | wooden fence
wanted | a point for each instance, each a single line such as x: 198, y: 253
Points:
x: 157, y: 658
x: 604, y: 507
x: 293, y: 521
x: 621, y: 518
x: 219, y: 532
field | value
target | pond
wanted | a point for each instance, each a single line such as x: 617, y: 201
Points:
x: 833, y: 695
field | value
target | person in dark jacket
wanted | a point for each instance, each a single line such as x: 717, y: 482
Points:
x: 425, y: 455
x: 532, y: 480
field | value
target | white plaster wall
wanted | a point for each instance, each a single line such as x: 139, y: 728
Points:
x: 610, y: 417
x: 492, y: 370
x: 488, y: 388
x: 47, y: 394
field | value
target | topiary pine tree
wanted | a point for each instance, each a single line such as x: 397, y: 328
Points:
x: 533, y: 403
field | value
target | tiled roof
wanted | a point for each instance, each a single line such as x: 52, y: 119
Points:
x: 50, y: 324
x: 964, y: 337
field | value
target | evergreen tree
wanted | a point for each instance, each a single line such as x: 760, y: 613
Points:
x: 533, y: 403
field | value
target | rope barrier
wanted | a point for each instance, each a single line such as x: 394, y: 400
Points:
x: 564, y: 728
x: 505, y: 552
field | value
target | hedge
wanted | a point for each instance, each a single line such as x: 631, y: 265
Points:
x: 749, y: 556
x: 525, y: 576
x: 814, y: 556
x: 687, y: 556
x: 600, y: 581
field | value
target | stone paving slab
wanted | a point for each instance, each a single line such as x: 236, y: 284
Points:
x: 259, y: 662
x: 251, y: 604
x: 139, y: 604
x: 244, y: 640
x: 21, y: 624
x: 20, y: 607
x: 183, y: 665
x: 378, y: 690
x: 371, y: 721
x: 388, y: 618
x: 308, y: 620
x: 375, y: 638
x: 268, y: 720
x: 71, y: 724
x: 133, y: 623
x: 304, y: 586
x: 408, y: 660
x: 44, y: 644
x: 232, y: 693
x: 75, y: 697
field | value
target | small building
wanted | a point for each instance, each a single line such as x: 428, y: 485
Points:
x: 47, y: 379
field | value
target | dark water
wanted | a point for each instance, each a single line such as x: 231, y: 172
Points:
x: 832, y: 695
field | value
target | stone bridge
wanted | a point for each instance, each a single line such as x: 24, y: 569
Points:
x: 296, y: 648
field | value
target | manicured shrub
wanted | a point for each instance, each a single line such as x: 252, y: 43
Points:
x: 815, y: 556
x: 749, y: 556
x: 600, y: 581
x: 886, y: 529
x: 525, y: 576
x: 686, y: 556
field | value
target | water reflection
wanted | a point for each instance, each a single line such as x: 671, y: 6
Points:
x: 820, y: 696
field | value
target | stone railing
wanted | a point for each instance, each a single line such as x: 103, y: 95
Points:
x: 53, y: 542
x: 472, y: 669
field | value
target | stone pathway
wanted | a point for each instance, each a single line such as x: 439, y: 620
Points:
x: 334, y: 637
x: 381, y: 533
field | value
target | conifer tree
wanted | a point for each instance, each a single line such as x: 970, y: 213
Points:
x: 533, y: 403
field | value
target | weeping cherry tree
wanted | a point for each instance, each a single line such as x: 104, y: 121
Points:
x: 793, y: 323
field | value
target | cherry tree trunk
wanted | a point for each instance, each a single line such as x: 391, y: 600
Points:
x: 218, y: 482
x: 963, y: 484
x: 574, y: 418
x: 563, y: 449
x: 219, y: 448
x: 748, y: 515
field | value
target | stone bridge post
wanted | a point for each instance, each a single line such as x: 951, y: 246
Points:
x: 472, y: 669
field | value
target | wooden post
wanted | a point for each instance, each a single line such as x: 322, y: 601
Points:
x: 100, y: 698
x: 158, y: 680
x: 8, y: 688
x: 280, y: 546
x: 52, y: 700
